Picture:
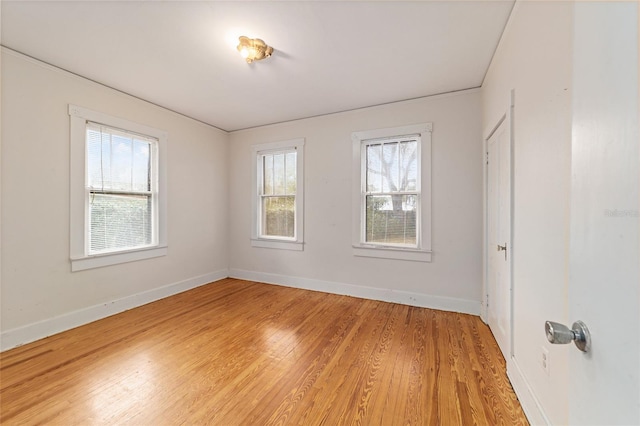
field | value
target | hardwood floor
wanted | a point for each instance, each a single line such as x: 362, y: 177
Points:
x: 243, y: 353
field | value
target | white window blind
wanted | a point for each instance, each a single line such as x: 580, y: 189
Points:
x: 121, y: 188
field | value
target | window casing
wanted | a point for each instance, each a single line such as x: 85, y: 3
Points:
x: 392, y: 197
x: 278, y: 195
x: 118, y: 196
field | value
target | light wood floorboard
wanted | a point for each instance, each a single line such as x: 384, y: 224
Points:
x: 242, y: 353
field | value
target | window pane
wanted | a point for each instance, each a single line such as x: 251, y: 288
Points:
x: 94, y: 158
x: 267, y: 174
x: 121, y: 162
x: 106, y: 161
x: 408, y: 165
x: 374, y: 168
x: 290, y: 160
x: 116, y: 162
x: 278, y: 216
x: 119, y: 222
x: 141, y: 166
x: 278, y: 174
x: 390, y: 167
x: 391, y: 219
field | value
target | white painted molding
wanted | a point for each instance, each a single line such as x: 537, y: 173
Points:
x: 530, y: 404
x: 392, y: 253
x: 276, y: 244
x: 39, y: 330
x: 383, y: 294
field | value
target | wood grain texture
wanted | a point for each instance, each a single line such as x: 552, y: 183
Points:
x: 243, y: 353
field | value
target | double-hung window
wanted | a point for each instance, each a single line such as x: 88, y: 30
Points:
x: 392, y: 193
x: 278, y: 195
x: 118, y: 197
x: 122, y: 189
x: 391, y: 204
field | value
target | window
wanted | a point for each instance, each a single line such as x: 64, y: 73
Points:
x: 118, y: 200
x: 121, y: 186
x: 277, y: 189
x: 392, y: 199
x: 277, y: 195
x: 392, y: 191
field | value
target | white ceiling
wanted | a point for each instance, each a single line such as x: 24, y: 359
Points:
x: 329, y: 56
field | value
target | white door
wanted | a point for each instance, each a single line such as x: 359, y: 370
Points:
x: 604, y: 249
x: 499, y: 236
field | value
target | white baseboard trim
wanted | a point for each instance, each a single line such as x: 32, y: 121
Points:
x: 38, y: 330
x: 386, y: 295
x: 530, y: 404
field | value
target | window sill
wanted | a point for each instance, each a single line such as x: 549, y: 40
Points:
x: 414, y: 255
x: 98, y: 261
x: 276, y: 244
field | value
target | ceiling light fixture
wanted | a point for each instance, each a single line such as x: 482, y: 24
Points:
x: 253, y: 49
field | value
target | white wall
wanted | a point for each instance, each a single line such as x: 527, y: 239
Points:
x: 40, y: 295
x: 451, y: 281
x: 534, y: 58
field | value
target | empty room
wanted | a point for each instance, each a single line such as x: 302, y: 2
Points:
x: 319, y: 212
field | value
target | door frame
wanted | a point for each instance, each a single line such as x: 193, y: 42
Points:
x: 508, y: 118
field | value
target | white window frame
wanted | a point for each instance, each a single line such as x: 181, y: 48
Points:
x: 422, y: 251
x: 79, y: 195
x: 284, y: 243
